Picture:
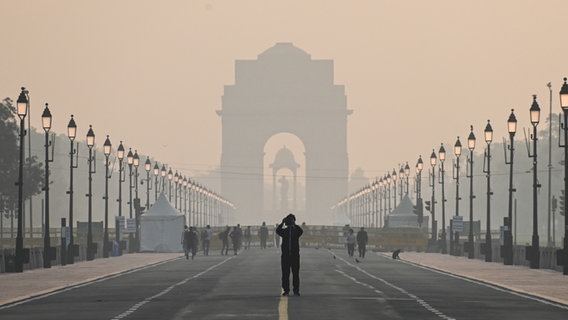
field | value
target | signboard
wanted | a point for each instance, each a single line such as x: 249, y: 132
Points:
x: 457, y: 224
x: 130, y: 226
x: 66, y: 233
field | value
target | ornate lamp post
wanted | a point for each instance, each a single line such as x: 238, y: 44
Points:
x: 562, y: 255
x: 106, y: 150
x: 433, y: 160
x: 471, y: 147
x: 508, y: 247
x: 406, y: 175
x: 137, y: 208
x: 121, y: 179
x: 46, y: 123
x: 22, y: 110
x: 73, y: 164
x: 394, y: 179
x: 170, y: 177
x: 176, y: 179
x: 148, y: 168
x: 442, y: 156
x: 90, y: 145
x: 156, y: 173
x: 401, y: 176
x: 488, y: 134
x: 456, y: 176
x: 419, y: 204
x: 534, y: 250
x: 163, y: 175
x: 389, y: 180
x: 130, y: 162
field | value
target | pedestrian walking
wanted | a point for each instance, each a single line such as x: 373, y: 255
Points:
x: 362, y: 239
x: 206, y: 235
x: 248, y: 238
x: 236, y: 236
x: 185, y: 241
x: 224, y: 236
x: 290, y: 258
x: 350, y: 241
x: 192, y: 241
x: 263, y: 235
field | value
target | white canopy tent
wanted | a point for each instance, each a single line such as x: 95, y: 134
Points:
x: 161, y: 228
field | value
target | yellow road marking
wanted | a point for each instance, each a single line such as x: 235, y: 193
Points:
x: 283, y: 308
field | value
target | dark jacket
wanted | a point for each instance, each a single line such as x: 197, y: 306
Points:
x: 290, y: 238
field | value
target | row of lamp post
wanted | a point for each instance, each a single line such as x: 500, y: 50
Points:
x: 356, y: 207
x: 217, y: 206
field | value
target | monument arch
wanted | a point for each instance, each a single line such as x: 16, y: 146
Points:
x: 284, y: 90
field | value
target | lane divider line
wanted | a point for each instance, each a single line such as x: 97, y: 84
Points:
x: 490, y: 285
x: 138, y: 305
x: 419, y: 300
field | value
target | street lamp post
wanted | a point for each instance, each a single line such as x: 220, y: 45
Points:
x: 46, y: 123
x: 442, y: 156
x: 130, y: 161
x: 562, y: 254
x: 488, y: 134
x: 401, y: 176
x: 137, y: 208
x: 433, y: 160
x: 106, y: 150
x: 121, y: 179
x: 419, y: 205
x: 156, y: 173
x: 534, y: 250
x: 163, y: 175
x: 170, y: 177
x: 176, y: 179
x: 508, y: 245
x: 22, y: 110
x: 406, y: 175
x: 73, y: 164
x: 456, y: 176
x: 90, y: 145
x: 394, y: 179
x: 471, y: 147
x: 148, y: 168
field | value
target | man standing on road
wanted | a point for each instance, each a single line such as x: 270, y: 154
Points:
x: 362, y: 240
x: 206, y: 238
x: 290, y: 259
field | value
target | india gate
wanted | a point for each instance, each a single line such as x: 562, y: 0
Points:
x: 284, y: 91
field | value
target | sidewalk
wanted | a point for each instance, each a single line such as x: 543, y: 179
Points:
x: 547, y: 284
x: 18, y: 286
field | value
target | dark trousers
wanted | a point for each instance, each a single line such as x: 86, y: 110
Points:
x: 290, y: 262
x: 225, y: 248
x: 362, y: 249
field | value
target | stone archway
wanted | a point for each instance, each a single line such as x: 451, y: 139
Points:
x: 284, y: 91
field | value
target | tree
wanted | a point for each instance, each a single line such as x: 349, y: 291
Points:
x: 9, y: 160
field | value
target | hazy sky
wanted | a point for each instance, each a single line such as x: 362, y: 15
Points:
x: 151, y: 73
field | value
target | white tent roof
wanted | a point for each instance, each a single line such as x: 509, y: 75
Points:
x: 162, y: 208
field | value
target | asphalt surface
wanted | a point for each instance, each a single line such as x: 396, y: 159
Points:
x: 247, y: 286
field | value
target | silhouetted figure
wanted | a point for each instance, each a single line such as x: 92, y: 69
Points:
x: 224, y: 236
x: 395, y: 254
x: 192, y: 241
x: 248, y: 238
x: 362, y: 240
x: 350, y: 242
x: 236, y: 236
x: 263, y: 235
x: 206, y: 235
x: 185, y: 241
x: 290, y: 259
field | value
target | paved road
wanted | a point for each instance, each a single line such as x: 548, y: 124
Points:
x: 247, y: 286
